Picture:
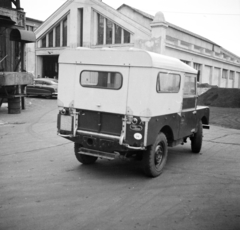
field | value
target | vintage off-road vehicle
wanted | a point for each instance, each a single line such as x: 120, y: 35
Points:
x: 128, y: 103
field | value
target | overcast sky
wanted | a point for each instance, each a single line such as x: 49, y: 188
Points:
x: 217, y: 20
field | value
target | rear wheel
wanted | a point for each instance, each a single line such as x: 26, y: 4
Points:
x: 155, y: 158
x: 196, y: 140
x: 84, y: 159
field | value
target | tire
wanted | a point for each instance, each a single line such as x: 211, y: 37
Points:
x: 155, y: 158
x: 196, y: 140
x: 84, y: 159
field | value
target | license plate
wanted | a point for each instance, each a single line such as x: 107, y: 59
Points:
x: 66, y: 123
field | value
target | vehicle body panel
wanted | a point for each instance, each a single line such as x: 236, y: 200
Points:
x: 101, y: 99
x: 130, y: 117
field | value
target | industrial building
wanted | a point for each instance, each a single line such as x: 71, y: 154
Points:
x: 93, y: 24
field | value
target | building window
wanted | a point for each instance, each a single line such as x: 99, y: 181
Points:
x: 109, y: 31
x: 231, y: 76
x: 81, y: 27
x: 118, y: 34
x: 171, y: 40
x: 224, y: 73
x: 44, y: 42
x: 65, y: 32
x: 197, y: 66
x: 50, y: 39
x: 57, y: 37
x: 186, y: 62
x: 185, y: 44
x: 197, y: 48
x: 108, y: 28
x: 126, y: 36
x: 100, y: 29
x: 30, y: 28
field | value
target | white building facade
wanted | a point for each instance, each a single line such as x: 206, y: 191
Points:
x: 93, y: 24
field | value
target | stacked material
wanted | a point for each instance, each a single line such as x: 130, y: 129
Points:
x: 220, y: 97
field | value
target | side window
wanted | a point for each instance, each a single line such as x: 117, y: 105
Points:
x: 100, y: 79
x: 168, y: 83
x: 190, y: 85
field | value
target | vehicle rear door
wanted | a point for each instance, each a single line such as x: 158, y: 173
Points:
x: 101, y: 97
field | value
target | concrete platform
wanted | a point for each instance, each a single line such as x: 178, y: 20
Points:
x: 15, y: 78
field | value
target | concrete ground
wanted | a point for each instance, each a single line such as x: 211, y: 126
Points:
x: 42, y: 185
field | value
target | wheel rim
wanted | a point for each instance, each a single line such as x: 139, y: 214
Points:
x: 159, y: 155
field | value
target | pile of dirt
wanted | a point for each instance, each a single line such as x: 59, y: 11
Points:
x: 206, y: 85
x: 220, y: 97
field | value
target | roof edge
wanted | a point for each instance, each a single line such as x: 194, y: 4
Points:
x: 65, y: 4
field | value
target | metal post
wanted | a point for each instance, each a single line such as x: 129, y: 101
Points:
x: 21, y: 88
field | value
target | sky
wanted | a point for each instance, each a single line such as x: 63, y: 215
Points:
x: 216, y: 20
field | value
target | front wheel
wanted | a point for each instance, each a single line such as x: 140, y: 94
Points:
x: 196, y: 140
x: 155, y: 158
x: 84, y: 159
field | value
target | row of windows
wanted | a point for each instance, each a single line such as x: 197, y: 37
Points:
x: 166, y: 82
x: 107, y: 33
x: 57, y: 32
x: 220, y: 53
x: 197, y: 66
x: 110, y: 33
x: 225, y: 74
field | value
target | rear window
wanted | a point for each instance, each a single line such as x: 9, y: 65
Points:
x: 101, y: 79
x: 168, y: 83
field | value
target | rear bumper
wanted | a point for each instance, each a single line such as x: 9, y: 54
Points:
x: 99, y: 141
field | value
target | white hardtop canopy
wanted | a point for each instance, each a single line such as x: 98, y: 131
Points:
x: 118, y: 57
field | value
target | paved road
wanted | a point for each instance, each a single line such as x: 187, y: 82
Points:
x: 42, y: 186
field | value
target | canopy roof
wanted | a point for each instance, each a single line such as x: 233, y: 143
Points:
x: 22, y: 36
x: 129, y: 57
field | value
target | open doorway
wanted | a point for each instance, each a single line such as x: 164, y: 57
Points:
x: 50, y: 66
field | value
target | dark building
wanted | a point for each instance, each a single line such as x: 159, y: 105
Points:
x: 13, y: 39
x: 13, y: 36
